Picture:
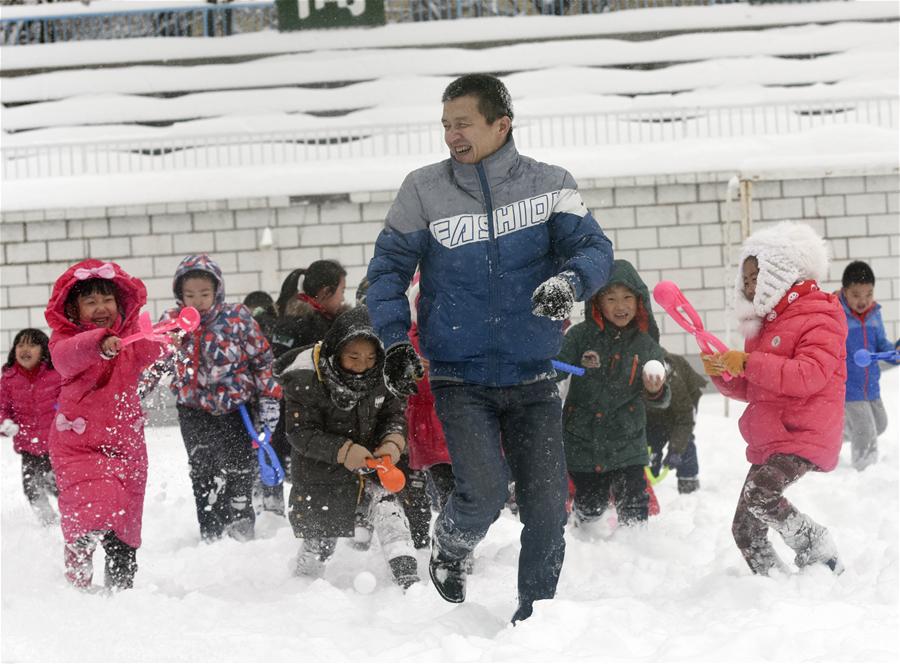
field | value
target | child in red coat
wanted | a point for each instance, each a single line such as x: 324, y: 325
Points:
x: 97, y: 443
x: 791, y: 372
x: 29, y: 389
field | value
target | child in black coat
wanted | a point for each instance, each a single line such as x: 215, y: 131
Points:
x: 339, y: 414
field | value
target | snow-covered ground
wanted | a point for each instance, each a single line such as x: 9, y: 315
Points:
x: 675, y: 591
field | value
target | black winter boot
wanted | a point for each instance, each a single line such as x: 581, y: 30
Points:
x: 448, y: 575
x: 121, y: 564
x: 688, y: 484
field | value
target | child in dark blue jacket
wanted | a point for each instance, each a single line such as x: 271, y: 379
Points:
x: 864, y: 416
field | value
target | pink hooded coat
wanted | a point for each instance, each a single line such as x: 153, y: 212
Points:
x: 796, y: 369
x: 29, y: 402
x: 101, y: 472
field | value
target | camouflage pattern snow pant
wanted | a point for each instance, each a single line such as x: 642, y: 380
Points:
x: 762, y: 506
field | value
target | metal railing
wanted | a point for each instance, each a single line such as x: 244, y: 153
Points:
x: 225, y: 19
x: 198, y: 21
x: 120, y: 156
x: 436, y: 10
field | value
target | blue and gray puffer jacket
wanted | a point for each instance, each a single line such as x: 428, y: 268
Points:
x: 485, y: 236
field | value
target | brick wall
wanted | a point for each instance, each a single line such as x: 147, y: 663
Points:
x: 669, y: 226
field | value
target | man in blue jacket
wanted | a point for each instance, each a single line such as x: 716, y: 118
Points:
x: 505, y: 247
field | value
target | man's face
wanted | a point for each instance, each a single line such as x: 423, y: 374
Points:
x: 467, y: 132
x: 860, y: 296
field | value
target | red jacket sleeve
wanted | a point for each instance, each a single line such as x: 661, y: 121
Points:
x: 735, y: 389
x: 75, y: 354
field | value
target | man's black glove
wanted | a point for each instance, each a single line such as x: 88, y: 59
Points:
x: 554, y: 298
x: 402, y: 368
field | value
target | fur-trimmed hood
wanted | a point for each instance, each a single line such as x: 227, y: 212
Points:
x: 787, y: 252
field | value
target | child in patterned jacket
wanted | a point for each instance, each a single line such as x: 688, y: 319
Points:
x: 223, y: 364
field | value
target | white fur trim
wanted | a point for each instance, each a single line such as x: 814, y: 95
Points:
x: 786, y: 252
x: 748, y: 323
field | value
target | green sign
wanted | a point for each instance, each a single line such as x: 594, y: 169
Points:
x: 310, y: 14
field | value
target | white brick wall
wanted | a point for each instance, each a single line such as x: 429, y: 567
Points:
x: 669, y: 226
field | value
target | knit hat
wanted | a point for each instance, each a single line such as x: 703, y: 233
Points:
x: 786, y: 253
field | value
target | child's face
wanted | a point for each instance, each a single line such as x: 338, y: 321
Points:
x: 332, y: 302
x: 749, y: 272
x: 859, y: 296
x: 618, y: 305
x: 28, y: 354
x: 198, y: 292
x: 99, y: 309
x: 358, y: 356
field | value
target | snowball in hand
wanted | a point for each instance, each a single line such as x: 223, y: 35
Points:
x: 654, y: 369
x: 364, y: 583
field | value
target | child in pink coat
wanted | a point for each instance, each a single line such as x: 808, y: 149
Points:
x: 29, y: 389
x: 792, y: 373
x: 97, y: 438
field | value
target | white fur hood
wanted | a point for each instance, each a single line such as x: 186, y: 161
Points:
x: 787, y: 252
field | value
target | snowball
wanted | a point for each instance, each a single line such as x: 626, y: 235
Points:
x: 654, y: 369
x: 364, y: 583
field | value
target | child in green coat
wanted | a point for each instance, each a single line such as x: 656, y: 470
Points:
x: 604, y: 417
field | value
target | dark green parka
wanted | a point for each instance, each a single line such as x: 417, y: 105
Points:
x: 325, y: 494
x: 604, y: 417
x: 677, y: 419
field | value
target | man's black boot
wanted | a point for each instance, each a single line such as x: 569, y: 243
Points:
x: 447, y: 575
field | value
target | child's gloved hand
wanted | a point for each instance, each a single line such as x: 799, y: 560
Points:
x: 672, y: 460
x: 353, y: 456
x: 392, y: 445
x: 9, y: 428
x: 268, y: 412
x: 110, y: 347
x: 712, y: 364
x: 734, y: 361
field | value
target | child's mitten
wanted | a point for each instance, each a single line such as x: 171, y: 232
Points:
x: 268, y: 412
x: 734, y: 361
x: 711, y: 365
x: 672, y: 460
x: 353, y: 456
x: 9, y: 428
x: 392, y: 445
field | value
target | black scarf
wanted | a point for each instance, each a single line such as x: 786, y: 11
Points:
x: 346, y: 388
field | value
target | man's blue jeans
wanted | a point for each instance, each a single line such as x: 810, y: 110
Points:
x: 491, y: 431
